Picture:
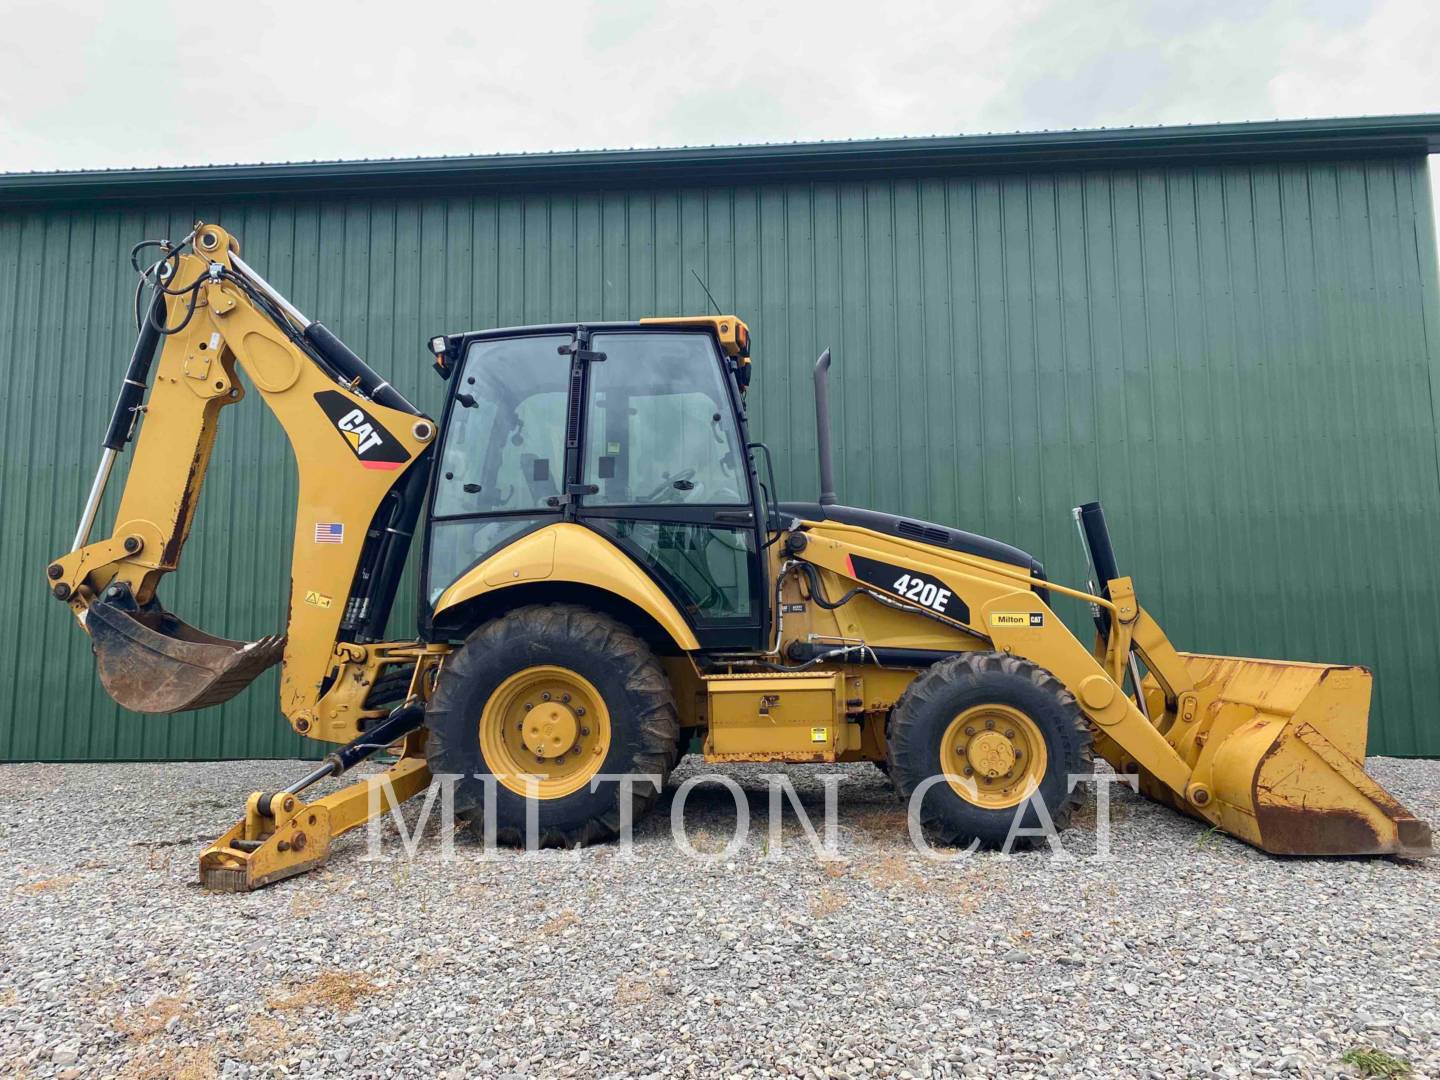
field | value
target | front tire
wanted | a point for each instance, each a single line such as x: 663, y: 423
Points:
x: 998, y: 728
x: 546, y: 700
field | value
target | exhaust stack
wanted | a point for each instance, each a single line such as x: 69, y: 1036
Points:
x: 822, y: 429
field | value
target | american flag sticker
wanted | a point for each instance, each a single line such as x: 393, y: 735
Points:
x: 329, y: 532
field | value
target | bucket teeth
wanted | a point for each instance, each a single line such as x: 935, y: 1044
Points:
x: 152, y: 662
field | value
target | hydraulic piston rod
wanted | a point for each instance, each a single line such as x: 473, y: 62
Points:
x: 92, y: 501
x: 405, y: 719
x: 122, y: 417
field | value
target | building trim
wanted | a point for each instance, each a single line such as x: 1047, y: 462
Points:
x: 1269, y: 141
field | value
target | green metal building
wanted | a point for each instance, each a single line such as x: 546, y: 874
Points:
x: 1230, y: 334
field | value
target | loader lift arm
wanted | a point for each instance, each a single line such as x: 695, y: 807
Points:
x: 1269, y: 751
x: 363, y: 455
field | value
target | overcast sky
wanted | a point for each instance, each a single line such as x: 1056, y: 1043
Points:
x: 153, y: 82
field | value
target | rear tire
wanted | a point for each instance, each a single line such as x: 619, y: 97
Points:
x: 499, y: 700
x: 996, y: 724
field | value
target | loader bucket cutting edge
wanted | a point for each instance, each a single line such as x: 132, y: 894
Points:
x: 152, y: 662
x: 1282, y: 747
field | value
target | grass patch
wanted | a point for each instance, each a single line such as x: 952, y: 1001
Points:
x: 828, y: 903
x: 146, y: 1021
x: 54, y: 884
x: 560, y: 923
x: 337, y: 990
x: 892, y: 873
x: 882, y: 823
x: 268, y: 1040
x: 630, y: 990
x: 189, y: 1063
x: 707, y: 842
x: 1208, y: 837
x: 1372, y: 1062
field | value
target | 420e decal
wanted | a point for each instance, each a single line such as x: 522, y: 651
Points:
x: 929, y: 592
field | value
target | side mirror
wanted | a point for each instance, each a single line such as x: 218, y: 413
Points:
x: 444, y: 356
x: 742, y: 370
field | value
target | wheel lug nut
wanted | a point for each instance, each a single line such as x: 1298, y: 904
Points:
x: 580, y: 711
x: 545, y: 696
x: 969, y: 771
x: 989, y: 725
x: 565, y: 698
x: 528, y: 706
x: 969, y: 731
x: 1009, y: 734
x: 583, y: 731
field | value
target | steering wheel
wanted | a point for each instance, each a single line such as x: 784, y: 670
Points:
x: 663, y: 493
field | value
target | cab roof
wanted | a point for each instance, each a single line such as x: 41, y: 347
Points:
x: 729, y: 330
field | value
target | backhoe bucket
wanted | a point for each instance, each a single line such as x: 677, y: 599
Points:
x: 152, y: 662
x: 1278, y: 749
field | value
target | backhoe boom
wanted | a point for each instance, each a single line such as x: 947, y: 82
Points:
x: 362, y: 453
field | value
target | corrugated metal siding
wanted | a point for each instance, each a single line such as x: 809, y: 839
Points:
x: 1237, y: 359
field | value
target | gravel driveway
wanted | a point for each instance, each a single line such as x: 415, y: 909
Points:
x: 1186, y: 954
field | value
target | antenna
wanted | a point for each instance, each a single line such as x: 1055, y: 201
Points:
x: 707, y: 292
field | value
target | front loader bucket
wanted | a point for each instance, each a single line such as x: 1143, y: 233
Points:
x: 152, y: 662
x: 1280, y: 749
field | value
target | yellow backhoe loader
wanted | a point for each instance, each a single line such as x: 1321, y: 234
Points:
x: 606, y: 576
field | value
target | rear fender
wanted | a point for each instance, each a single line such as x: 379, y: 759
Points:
x: 565, y: 552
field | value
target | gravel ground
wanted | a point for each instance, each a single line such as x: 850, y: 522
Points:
x: 1186, y: 954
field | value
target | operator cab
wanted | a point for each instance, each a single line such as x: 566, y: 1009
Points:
x: 634, y: 430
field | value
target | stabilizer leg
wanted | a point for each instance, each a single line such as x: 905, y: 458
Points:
x: 281, y: 835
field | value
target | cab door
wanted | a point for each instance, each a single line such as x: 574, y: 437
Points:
x: 665, y: 475
x: 502, y: 461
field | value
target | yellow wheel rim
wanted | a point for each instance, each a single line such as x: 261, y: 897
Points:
x: 996, y: 755
x: 548, y: 723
